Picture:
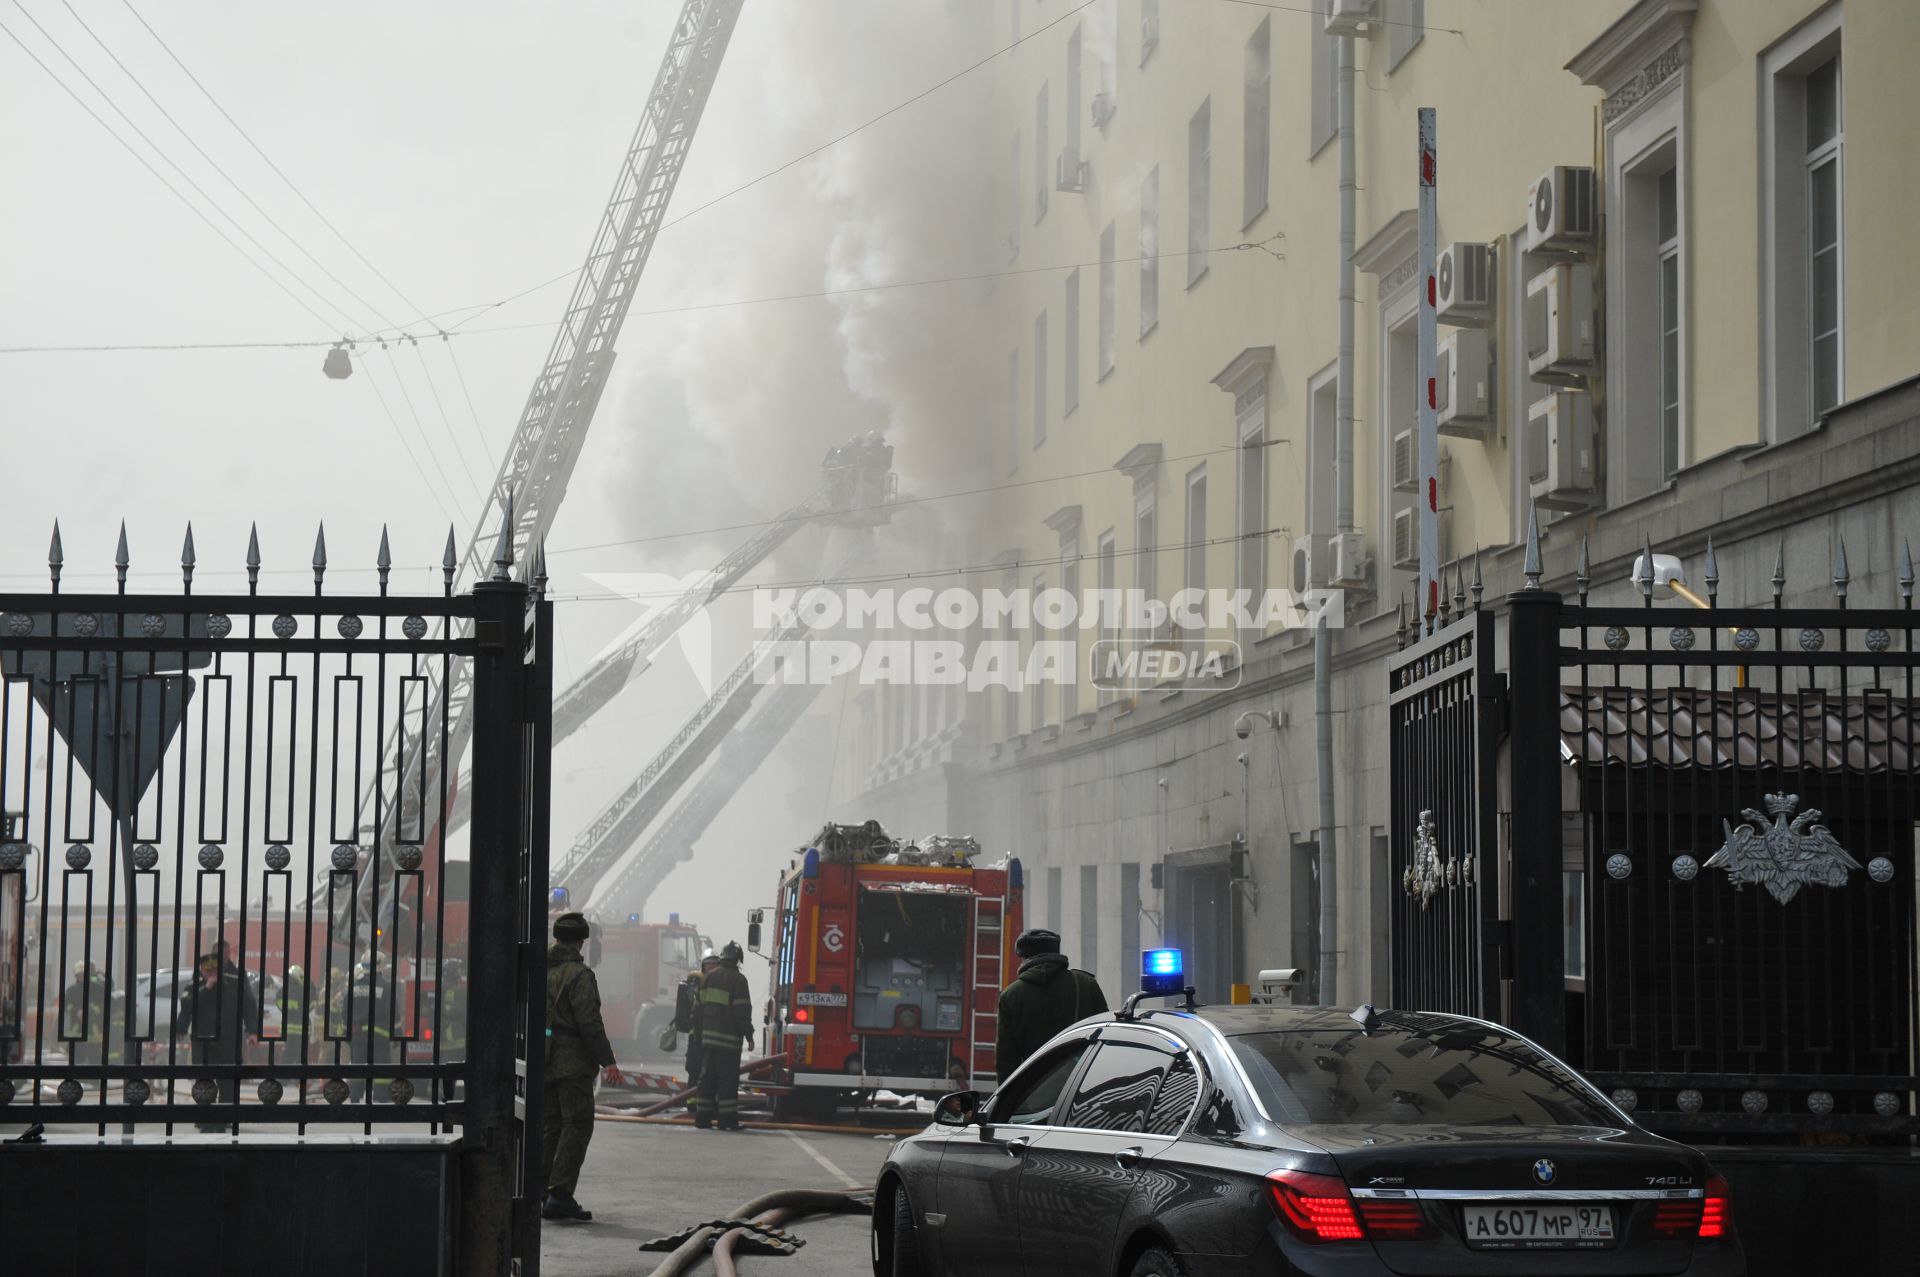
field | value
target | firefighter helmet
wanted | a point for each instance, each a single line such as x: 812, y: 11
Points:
x: 732, y: 953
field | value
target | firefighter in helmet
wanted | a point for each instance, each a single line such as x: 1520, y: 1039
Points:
x: 725, y: 1025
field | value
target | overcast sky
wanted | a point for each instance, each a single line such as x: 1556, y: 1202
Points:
x: 467, y: 149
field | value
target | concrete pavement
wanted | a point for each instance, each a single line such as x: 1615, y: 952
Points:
x: 642, y: 1181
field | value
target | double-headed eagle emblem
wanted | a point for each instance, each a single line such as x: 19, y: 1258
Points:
x: 1424, y: 875
x: 1791, y: 853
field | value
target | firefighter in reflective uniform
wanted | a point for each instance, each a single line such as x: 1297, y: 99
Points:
x: 726, y: 1023
x: 371, y: 1034
x: 293, y: 1019
x: 689, y: 1001
x: 577, y: 1047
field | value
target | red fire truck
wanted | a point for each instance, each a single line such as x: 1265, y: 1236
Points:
x: 888, y: 960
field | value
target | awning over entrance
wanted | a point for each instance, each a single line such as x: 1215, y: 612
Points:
x: 1867, y: 732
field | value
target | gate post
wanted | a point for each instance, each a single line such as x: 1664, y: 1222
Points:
x: 499, y: 747
x: 1538, y: 931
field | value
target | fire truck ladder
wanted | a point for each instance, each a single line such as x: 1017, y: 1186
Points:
x: 605, y: 842
x: 553, y: 426
x: 608, y: 676
x: 989, y: 949
x: 741, y: 755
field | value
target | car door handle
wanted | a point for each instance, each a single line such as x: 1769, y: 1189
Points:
x: 1127, y: 1158
x: 1017, y: 1147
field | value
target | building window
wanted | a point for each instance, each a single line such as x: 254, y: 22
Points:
x: 1668, y: 232
x: 1070, y: 583
x: 1149, y: 29
x: 1199, y: 190
x: 1322, y: 409
x: 1107, y: 580
x: 1195, y: 573
x: 1040, y: 379
x: 1013, y: 411
x: 1150, y: 251
x: 1250, y: 550
x: 1398, y: 438
x: 1036, y: 690
x: 1824, y: 138
x: 1323, y: 84
x: 1803, y: 299
x: 1070, y: 354
x: 1089, y: 954
x: 1041, y: 184
x: 1074, y: 104
x: 1013, y: 202
x: 1258, y: 103
x: 1108, y: 286
x: 1146, y: 544
x: 1406, y: 27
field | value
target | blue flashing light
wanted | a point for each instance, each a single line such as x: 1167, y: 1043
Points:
x: 810, y: 865
x: 559, y: 896
x: 673, y: 919
x: 1162, y: 972
x: 1016, y: 876
x: 633, y: 917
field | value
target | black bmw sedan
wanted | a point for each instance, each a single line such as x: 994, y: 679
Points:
x: 1272, y: 1139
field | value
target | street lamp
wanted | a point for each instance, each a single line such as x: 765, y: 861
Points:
x: 1668, y: 573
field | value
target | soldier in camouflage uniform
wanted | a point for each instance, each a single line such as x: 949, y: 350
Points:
x: 577, y: 1048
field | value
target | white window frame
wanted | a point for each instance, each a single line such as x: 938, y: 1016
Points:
x: 1520, y: 391
x: 1786, y: 388
x: 1146, y: 550
x: 1642, y: 144
x: 1323, y: 83
x: 1406, y: 27
x: 1199, y: 191
x: 1193, y: 555
x: 1109, y: 289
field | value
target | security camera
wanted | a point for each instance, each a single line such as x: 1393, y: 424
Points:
x: 1243, y: 728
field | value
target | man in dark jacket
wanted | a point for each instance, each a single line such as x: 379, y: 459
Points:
x: 577, y: 1048
x: 1044, y: 998
x: 725, y: 1027
x: 219, y: 1014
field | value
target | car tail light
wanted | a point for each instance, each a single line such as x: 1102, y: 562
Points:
x: 1393, y: 1220
x: 1716, y: 1216
x: 1316, y: 1208
x: 1677, y: 1218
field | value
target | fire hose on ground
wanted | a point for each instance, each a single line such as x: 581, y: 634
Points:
x: 769, y: 1210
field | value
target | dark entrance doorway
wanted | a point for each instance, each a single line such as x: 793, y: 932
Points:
x: 1200, y: 920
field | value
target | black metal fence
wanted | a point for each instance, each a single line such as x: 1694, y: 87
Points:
x: 194, y: 927
x: 1708, y: 883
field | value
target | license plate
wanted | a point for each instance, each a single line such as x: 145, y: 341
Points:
x: 1539, y: 1226
x: 820, y: 999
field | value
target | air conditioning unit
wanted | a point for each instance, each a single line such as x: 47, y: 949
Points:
x: 1347, y: 561
x: 1562, y: 453
x: 1070, y: 171
x: 1406, y: 461
x: 1104, y: 106
x: 1349, y: 17
x: 1562, y: 215
x: 1406, y: 538
x: 1463, y: 384
x: 1560, y: 323
x: 1463, y: 285
x: 1309, y: 562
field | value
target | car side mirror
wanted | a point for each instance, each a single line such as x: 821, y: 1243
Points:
x: 753, y: 935
x: 960, y: 1109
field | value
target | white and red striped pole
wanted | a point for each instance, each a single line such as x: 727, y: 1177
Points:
x: 1429, y: 428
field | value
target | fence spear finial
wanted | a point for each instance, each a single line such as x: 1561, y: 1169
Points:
x: 1906, y: 572
x: 449, y: 564
x: 1779, y: 571
x: 385, y: 559
x: 1479, y: 586
x: 56, y: 557
x: 253, y: 556
x: 1530, y: 566
x: 1841, y: 577
x: 1460, y: 585
x: 540, y: 566
x: 503, y: 550
x: 320, y: 555
x: 121, y: 560
x: 1401, y: 632
x: 186, y: 556
x: 1713, y: 572
x: 1643, y: 570
x: 1583, y: 571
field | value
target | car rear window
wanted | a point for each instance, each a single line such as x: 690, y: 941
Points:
x: 1466, y: 1076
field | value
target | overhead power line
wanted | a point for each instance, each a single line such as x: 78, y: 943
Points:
x: 301, y: 195
x: 215, y: 164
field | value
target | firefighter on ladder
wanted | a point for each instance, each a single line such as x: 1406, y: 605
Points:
x: 725, y: 1023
